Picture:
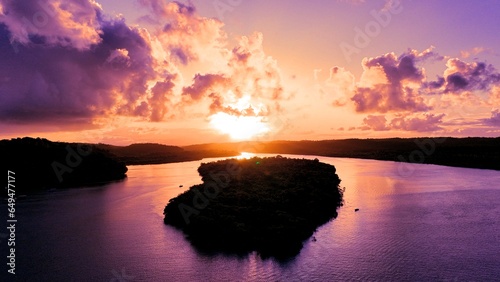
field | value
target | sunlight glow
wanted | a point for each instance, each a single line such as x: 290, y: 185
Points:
x: 245, y: 155
x: 239, y: 127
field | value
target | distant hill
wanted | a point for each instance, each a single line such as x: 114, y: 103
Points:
x: 42, y: 164
x: 472, y: 152
x: 153, y: 153
x: 146, y: 153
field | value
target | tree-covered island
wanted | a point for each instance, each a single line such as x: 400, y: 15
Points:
x: 268, y: 205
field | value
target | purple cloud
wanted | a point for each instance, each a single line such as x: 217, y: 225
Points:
x: 80, y: 65
x: 73, y: 24
x: 204, y: 85
x: 426, y: 123
x: 422, y: 123
x: 395, y: 94
x: 44, y: 81
x: 460, y: 76
x: 377, y: 123
x: 494, y: 120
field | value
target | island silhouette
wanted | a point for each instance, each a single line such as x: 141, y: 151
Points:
x: 269, y: 205
x: 44, y: 164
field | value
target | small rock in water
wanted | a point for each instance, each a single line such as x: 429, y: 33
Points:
x: 356, y: 210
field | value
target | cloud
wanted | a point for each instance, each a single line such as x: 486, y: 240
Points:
x: 253, y: 71
x: 250, y: 85
x: 339, y: 85
x: 464, y: 54
x: 494, y: 96
x: 80, y: 65
x: 73, y: 24
x: 373, y: 122
x: 419, y: 122
x: 75, y: 75
x: 66, y: 81
x: 494, y: 120
x: 159, y: 99
x: 394, y: 91
x: 390, y: 84
x: 461, y: 76
x: 425, y: 123
x: 188, y: 36
x: 205, y: 84
x: 239, y: 72
x: 384, y: 98
x: 316, y: 73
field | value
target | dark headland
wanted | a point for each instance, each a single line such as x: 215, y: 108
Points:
x: 40, y: 164
x: 268, y: 205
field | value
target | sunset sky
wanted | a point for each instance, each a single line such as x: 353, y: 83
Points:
x: 192, y: 72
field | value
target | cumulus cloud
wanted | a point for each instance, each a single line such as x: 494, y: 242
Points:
x: 251, y: 78
x: 239, y: 72
x: 421, y: 122
x: 73, y: 24
x: 461, y: 76
x: 375, y: 122
x: 187, y: 35
x: 76, y: 63
x: 425, y: 123
x: 395, y: 89
x: 40, y: 81
x: 392, y: 84
x: 160, y: 94
x: 398, y: 86
x: 206, y: 84
x: 253, y: 71
x: 339, y: 85
x: 81, y: 64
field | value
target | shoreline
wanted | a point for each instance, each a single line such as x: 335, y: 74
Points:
x: 315, y: 155
x: 43, y: 163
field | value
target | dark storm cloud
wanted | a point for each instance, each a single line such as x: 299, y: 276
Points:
x: 74, y: 75
x: 40, y: 81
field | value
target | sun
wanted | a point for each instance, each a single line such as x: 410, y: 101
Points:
x: 239, y: 127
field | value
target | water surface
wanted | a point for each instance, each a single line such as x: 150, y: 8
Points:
x: 439, y: 223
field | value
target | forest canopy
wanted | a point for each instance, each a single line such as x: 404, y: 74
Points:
x: 42, y: 164
x: 269, y: 205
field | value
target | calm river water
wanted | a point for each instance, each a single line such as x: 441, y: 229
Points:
x: 439, y: 223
